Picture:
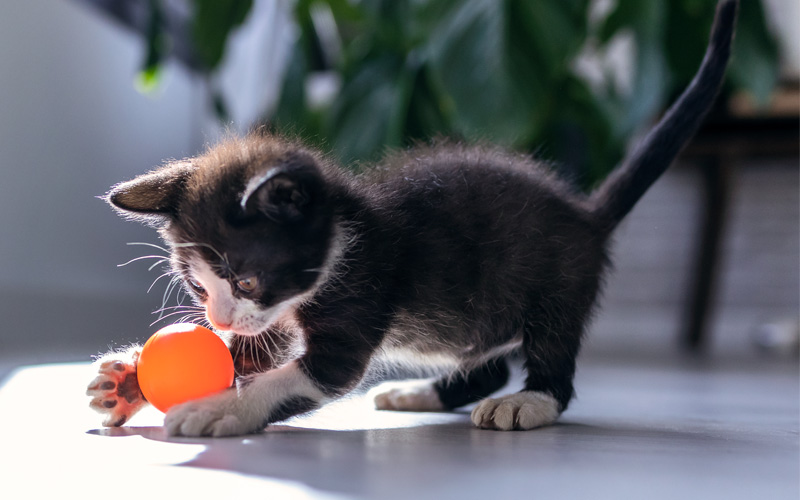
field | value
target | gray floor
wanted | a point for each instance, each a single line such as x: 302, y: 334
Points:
x: 649, y: 422
x: 656, y: 431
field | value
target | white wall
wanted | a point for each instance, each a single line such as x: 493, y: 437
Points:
x: 783, y: 16
x: 71, y: 125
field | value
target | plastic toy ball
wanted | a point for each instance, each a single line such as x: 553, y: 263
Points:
x: 182, y: 362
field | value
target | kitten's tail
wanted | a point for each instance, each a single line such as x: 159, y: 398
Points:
x: 624, y: 186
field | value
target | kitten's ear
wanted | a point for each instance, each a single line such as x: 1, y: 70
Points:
x: 285, y: 194
x: 153, y: 195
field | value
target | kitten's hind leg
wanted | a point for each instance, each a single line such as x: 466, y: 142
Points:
x: 447, y: 393
x: 407, y: 395
x: 550, y: 346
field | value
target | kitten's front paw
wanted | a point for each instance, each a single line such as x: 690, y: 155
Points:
x: 115, y: 391
x: 413, y: 395
x: 521, y: 411
x: 217, y: 416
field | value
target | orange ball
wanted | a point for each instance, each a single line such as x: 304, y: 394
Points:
x: 182, y: 362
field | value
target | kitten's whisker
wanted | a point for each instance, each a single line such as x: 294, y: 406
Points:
x: 223, y: 258
x: 265, y: 341
x: 143, y: 257
x: 253, y: 352
x: 164, y: 314
x: 173, y: 313
x: 182, y: 319
x: 272, y: 351
x: 260, y: 349
x: 190, y: 318
x: 237, y: 346
x: 172, y: 283
x: 182, y: 307
x: 164, y: 259
x: 142, y: 243
x: 164, y: 297
x: 156, y: 280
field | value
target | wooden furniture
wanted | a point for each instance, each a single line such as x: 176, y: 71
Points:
x: 734, y: 131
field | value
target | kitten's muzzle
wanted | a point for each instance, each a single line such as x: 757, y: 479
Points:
x: 218, y: 324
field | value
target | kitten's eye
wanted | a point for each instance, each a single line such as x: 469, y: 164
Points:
x: 196, y: 286
x: 247, y: 285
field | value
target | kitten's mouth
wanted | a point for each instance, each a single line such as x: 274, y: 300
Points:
x: 236, y: 329
x: 256, y: 324
x: 240, y: 332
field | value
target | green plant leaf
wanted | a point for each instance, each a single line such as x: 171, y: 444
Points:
x: 292, y: 108
x: 429, y: 111
x: 149, y: 77
x: 755, y: 61
x: 579, y: 134
x: 646, y: 20
x: 687, y: 28
x: 468, y: 54
x: 543, y: 39
x: 548, y: 33
x: 502, y: 70
x: 369, y: 113
x: 213, y: 21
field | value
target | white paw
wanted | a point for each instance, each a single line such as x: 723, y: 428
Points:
x: 413, y: 395
x: 217, y: 416
x: 257, y: 400
x: 521, y: 411
x: 115, y: 391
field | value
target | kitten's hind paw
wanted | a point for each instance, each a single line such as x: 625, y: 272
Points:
x: 413, y: 395
x: 521, y: 411
x: 115, y: 391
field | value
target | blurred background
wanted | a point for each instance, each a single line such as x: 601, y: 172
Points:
x: 93, y: 92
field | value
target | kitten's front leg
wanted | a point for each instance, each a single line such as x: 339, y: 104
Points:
x: 334, y: 362
x: 115, y: 390
x: 256, y: 401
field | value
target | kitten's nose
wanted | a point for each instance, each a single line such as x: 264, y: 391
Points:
x: 220, y: 312
x: 219, y: 325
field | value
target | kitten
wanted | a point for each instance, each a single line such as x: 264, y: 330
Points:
x: 462, y: 254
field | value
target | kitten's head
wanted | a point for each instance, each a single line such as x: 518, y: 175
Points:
x: 249, y: 224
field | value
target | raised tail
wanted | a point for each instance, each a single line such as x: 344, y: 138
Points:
x: 625, y: 185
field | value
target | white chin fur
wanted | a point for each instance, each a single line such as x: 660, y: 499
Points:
x: 257, y: 322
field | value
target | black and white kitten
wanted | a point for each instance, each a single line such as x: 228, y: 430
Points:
x: 461, y: 254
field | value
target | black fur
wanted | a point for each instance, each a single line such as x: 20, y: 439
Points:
x: 464, y: 388
x: 465, y: 252
x: 289, y: 408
